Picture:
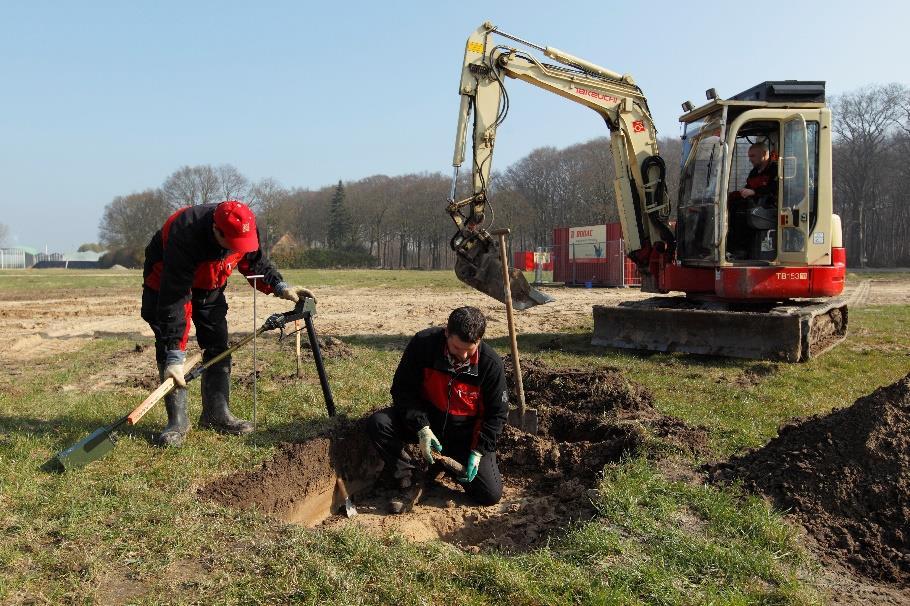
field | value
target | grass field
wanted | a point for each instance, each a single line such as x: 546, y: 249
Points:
x: 128, y: 529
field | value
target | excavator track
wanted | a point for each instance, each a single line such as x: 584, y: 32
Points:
x: 795, y: 332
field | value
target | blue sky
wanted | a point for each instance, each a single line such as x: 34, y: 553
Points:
x: 99, y: 99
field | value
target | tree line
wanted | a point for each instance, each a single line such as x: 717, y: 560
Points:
x: 400, y: 221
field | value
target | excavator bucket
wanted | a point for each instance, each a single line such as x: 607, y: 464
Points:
x: 793, y: 333
x: 483, y: 271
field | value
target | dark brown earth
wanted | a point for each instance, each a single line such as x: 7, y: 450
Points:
x: 588, y: 418
x: 846, y: 477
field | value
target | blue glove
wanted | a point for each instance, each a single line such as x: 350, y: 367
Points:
x: 470, y: 470
x: 428, y: 443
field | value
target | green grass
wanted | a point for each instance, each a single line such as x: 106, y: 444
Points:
x: 18, y: 280
x: 128, y: 529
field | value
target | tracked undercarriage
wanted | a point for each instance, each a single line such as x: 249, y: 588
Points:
x: 795, y: 331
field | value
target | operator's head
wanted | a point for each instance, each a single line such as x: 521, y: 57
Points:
x: 235, y: 227
x: 758, y: 154
x: 464, y: 330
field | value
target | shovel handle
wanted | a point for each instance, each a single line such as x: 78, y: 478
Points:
x: 155, y: 397
x: 513, y: 339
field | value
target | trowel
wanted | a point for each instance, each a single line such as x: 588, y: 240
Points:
x: 349, y: 509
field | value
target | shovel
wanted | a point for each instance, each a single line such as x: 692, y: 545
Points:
x: 102, y: 440
x: 522, y: 417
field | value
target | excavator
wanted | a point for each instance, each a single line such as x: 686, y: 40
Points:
x: 760, y: 275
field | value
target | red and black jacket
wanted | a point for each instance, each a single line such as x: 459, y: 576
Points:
x: 183, y: 257
x: 763, y: 182
x: 431, y: 392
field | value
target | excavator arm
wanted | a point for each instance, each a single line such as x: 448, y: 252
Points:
x: 641, y: 194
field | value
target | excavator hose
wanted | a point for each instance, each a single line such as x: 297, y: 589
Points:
x: 657, y: 194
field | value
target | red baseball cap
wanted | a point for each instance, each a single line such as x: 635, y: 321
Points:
x: 238, y: 226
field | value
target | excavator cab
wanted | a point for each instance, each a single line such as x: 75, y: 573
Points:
x: 789, y: 220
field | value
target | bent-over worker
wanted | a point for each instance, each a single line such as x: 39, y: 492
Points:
x: 187, y: 264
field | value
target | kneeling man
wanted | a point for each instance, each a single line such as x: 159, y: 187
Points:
x: 449, y: 394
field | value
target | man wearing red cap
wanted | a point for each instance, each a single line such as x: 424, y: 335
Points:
x: 187, y: 264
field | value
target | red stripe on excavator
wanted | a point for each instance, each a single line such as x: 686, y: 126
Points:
x: 772, y: 282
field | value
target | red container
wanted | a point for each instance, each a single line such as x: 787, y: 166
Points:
x: 618, y: 270
x: 523, y: 260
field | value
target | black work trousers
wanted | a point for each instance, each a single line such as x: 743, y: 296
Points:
x: 208, y: 310
x: 388, y: 432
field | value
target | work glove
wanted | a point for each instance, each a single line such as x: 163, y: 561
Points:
x: 175, y: 371
x: 470, y: 470
x: 428, y: 443
x: 295, y: 293
x: 173, y: 366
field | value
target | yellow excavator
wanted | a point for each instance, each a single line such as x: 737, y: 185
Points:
x: 761, y: 269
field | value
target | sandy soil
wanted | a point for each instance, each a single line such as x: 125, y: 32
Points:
x: 33, y: 327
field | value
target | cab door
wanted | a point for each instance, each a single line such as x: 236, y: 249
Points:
x: 793, y: 216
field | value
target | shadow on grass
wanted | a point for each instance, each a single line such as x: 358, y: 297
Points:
x: 68, y: 432
x: 566, y: 342
x: 66, y: 429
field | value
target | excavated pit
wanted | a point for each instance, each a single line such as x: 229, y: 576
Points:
x: 845, y: 477
x: 588, y: 418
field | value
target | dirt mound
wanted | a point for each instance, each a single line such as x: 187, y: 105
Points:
x: 588, y: 418
x: 592, y: 404
x: 846, y: 477
x: 592, y: 390
x: 329, y: 347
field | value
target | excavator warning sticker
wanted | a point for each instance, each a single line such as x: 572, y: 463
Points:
x: 475, y: 47
x: 638, y: 126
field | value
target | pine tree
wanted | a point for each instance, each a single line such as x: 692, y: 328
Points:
x: 340, y: 223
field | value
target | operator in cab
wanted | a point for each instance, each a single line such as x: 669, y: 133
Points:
x: 762, y: 179
x: 761, y: 183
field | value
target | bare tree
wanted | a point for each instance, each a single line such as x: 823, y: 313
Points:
x: 129, y: 221
x: 863, y: 123
x: 4, y: 233
x: 268, y: 198
x: 191, y: 185
x: 231, y: 184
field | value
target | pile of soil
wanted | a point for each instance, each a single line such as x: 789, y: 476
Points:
x: 588, y: 418
x: 582, y: 405
x: 329, y: 347
x: 846, y: 478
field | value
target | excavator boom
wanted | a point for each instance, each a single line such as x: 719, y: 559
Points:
x: 483, y: 96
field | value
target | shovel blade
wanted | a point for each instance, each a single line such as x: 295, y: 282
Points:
x: 526, y: 423
x: 484, y: 272
x: 91, y: 448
